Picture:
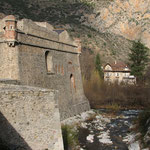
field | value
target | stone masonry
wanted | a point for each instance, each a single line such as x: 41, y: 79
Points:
x: 29, y: 118
x: 34, y: 54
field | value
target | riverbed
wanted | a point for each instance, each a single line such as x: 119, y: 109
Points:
x: 108, y: 131
x: 105, y: 130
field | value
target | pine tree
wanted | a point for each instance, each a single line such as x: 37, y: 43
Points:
x: 138, y: 58
x: 98, y: 65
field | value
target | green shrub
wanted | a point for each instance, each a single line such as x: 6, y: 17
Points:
x: 142, y: 125
x: 70, y: 137
x: 142, y: 121
x: 139, y: 59
x: 89, y: 35
x: 98, y: 65
x: 104, y: 43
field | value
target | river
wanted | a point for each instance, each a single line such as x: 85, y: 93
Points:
x: 108, y: 131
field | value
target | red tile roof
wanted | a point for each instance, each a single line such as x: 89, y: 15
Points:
x: 117, y: 66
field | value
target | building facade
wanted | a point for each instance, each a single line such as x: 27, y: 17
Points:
x: 118, y: 72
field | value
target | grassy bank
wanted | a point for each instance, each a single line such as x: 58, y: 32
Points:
x: 70, y: 137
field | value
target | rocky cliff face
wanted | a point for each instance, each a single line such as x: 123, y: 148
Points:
x: 128, y: 18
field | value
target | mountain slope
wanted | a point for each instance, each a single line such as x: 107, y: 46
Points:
x: 128, y: 18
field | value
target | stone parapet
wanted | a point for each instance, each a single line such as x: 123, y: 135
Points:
x: 42, y: 35
x: 32, y: 40
x: 39, y: 34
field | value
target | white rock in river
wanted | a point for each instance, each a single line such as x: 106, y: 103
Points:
x: 105, y: 138
x: 87, y: 114
x: 134, y: 146
x: 90, y: 138
x: 84, y: 125
x: 130, y: 138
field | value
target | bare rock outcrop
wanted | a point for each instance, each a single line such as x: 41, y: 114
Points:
x: 128, y: 18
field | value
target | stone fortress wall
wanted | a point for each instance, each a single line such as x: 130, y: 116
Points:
x: 34, y: 54
x: 29, y: 118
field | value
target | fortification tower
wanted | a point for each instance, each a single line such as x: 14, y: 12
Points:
x: 10, y: 30
x: 9, y: 69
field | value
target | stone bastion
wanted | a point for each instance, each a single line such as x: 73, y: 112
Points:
x: 40, y: 83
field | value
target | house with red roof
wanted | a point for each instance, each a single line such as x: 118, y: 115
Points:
x: 118, y: 72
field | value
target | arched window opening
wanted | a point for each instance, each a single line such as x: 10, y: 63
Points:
x: 62, y: 70
x: 59, y: 68
x: 11, y: 27
x: 56, y: 68
x: 73, y: 86
x: 49, y: 62
x: 70, y: 62
x: 71, y: 76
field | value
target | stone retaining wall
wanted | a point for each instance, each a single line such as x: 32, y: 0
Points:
x: 29, y: 118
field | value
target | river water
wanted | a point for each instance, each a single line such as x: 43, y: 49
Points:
x: 108, y: 131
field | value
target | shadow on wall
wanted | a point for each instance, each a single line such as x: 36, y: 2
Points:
x: 9, y: 138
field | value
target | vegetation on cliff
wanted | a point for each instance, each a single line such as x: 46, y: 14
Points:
x: 98, y: 65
